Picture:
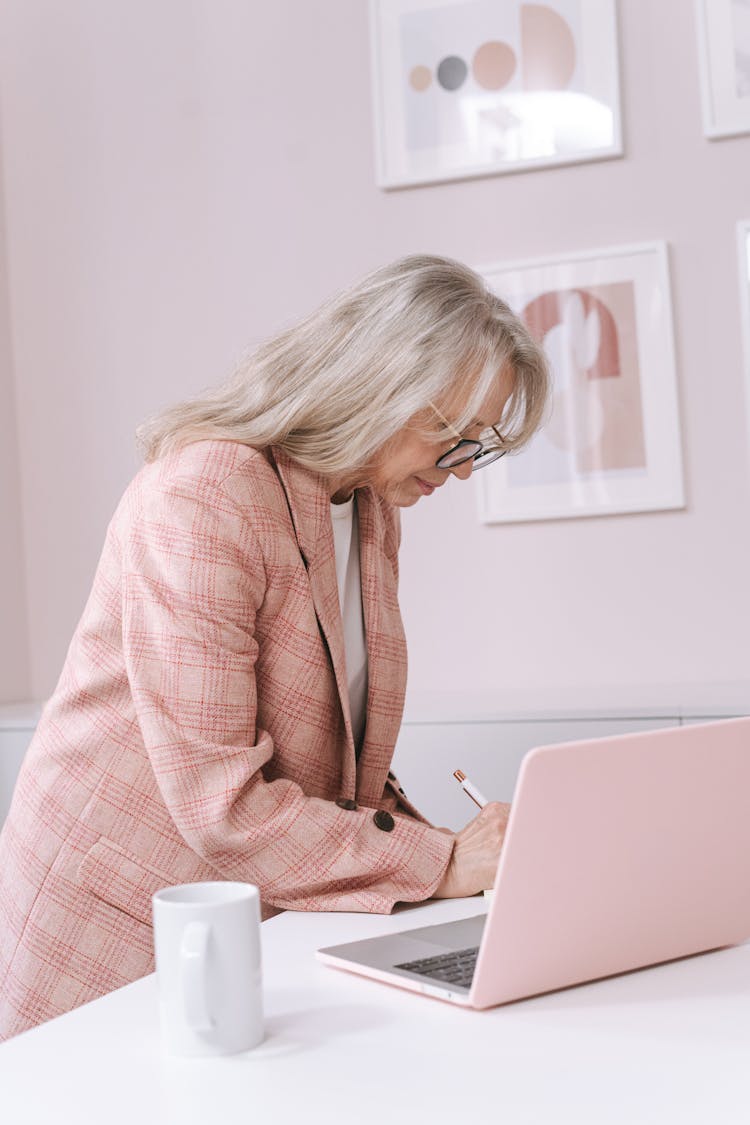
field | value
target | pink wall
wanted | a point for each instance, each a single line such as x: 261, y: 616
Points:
x: 14, y: 645
x: 181, y: 180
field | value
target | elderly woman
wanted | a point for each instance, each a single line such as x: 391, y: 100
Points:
x: 232, y: 696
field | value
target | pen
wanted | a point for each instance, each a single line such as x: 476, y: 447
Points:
x: 469, y: 789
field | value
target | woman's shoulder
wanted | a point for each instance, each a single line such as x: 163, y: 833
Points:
x: 212, y: 463
x: 209, y: 466
x: 207, y: 473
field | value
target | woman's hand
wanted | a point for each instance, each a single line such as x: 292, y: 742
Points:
x: 474, y: 861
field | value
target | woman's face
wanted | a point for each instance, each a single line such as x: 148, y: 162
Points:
x: 405, y: 470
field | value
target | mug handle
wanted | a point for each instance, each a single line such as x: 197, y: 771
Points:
x: 194, y: 959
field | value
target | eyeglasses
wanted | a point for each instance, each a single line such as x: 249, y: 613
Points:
x: 467, y: 450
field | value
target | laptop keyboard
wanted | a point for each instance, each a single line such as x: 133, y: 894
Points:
x: 454, y: 967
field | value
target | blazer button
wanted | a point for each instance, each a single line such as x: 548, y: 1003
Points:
x: 345, y: 803
x: 384, y: 821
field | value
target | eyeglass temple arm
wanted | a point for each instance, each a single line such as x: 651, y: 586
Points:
x: 456, y: 433
x: 445, y: 422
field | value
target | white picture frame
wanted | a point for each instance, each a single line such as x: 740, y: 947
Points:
x: 743, y: 262
x: 465, y: 88
x: 611, y: 439
x: 723, y: 35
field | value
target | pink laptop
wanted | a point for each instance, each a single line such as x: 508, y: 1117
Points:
x: 620, y: 853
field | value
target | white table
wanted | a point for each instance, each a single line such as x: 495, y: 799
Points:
x: 665, y: 1045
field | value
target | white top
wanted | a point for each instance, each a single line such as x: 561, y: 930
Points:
x: 346, y: 542
x: 665, y: 1046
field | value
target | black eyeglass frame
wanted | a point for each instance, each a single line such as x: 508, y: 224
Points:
x: 474, y: 451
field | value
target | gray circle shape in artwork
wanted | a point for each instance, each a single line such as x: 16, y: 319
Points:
x: 451, y: 72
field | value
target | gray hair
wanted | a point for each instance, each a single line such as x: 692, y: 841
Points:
x: 334, y: 389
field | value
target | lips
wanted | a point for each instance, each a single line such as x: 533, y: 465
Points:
x: 427, y: 489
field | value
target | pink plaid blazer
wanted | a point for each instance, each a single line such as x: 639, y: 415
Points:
x: 201, y: 730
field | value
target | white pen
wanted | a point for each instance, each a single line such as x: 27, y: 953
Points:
x: 469, y: 789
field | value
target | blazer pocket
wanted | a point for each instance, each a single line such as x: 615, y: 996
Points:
x: 119, y: 879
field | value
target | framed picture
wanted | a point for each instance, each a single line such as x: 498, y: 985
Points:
x: 723, y: 28
x: 743, y: 257
x: 476, y: 87
x: 611, y: 439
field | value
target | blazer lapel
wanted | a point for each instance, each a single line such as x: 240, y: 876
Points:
x: 309, y: 506
x: 386, y: 651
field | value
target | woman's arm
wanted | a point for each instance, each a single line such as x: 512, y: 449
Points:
x: 193, y: 581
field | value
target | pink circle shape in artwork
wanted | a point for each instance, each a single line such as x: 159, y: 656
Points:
x: 493, y: 65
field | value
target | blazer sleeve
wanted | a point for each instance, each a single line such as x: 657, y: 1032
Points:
x: 193, y: 579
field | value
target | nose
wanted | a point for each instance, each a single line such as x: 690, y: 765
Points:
x: 463, y: 472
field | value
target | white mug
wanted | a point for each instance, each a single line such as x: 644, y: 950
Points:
x: 207, y: 946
